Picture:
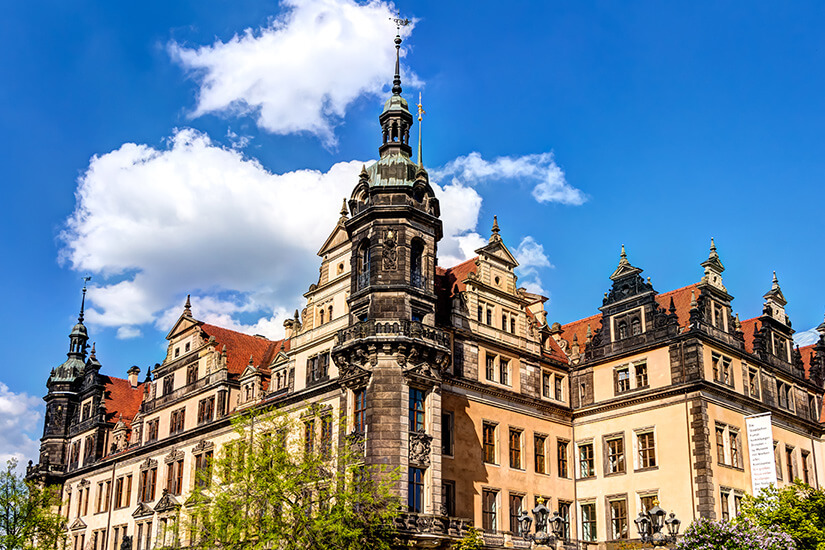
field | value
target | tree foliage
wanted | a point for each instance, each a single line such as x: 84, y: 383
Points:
x: 28, y: 517
x: 797, y: 509
x: 271, y: 489
x: 472, y: 540
x: 708, y: 534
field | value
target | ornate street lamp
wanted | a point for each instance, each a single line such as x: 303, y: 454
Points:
x: 650, y: 524
x: 543, y: 520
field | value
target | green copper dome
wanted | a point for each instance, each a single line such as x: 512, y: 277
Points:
x: 392, y: 170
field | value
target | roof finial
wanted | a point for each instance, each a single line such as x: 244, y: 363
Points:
x: 624, y: 254
x: 187, y: 307
x: 712, y: 247
x: 86, y: 279
x: 495, y: 231
x: 92, y: 353
x: 775, y: 282
x: 693, y: 303
x: 421, y: 111
x: 344, y: 210
x: 396, y: 80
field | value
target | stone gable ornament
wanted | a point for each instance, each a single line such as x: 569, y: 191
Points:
x: 420, y: 444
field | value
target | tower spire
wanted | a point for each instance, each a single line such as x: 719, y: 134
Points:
x: 396, y: 81
x: 421, y: 111
x: 86, y: 279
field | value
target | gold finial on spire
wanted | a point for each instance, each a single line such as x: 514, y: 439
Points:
x: 421, y: 111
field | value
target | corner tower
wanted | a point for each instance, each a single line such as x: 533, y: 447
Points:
x: 391, y: 355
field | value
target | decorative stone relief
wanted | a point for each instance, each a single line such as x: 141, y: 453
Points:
x: 390, y: 252
x: 420, y: 444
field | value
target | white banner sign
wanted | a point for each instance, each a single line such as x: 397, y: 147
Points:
x: 760, y: 448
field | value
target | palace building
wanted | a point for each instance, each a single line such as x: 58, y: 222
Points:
x: 457, y: 377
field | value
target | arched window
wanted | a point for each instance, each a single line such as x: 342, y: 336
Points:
x: 635, y: 326
x: 321, y: 316
x: 363, y: 265
x: 622, y: 330
x: 416, y: 260
x: 329, y: 317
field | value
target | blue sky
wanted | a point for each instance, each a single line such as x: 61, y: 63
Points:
x: 204, y: 147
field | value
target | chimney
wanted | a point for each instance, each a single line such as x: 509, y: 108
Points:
x: 133, y: 373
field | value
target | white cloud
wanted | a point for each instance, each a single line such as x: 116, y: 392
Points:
x: 156, y: 224
x: 530, y: 256
x: 806, y: 338
x: 300, y: 72
x: 539, y: 170
x: 19, y: 420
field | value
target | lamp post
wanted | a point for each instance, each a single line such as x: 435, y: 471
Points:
x: 650, y: 524
x: 543, y: 520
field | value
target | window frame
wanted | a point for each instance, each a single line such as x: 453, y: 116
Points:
x: 488, y: 442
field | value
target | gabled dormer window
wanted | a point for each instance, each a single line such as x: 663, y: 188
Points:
x: 635, y: 326
x: 622, y: 330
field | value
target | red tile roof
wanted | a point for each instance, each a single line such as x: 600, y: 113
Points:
x: 681, y: 301
x: 240, y: 347
x: 121, y: 398
x: 807, y: 354
x: 452, y: 278
x: 748, y: 326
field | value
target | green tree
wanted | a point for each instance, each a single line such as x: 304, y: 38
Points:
x: 283, y: 484
x: 472, y: 540
x: 28, y: 517
x: 797, y: 509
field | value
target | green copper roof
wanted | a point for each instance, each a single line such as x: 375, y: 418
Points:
x: 391, y: 170
x: 396, y: 103
x: 68, y: 371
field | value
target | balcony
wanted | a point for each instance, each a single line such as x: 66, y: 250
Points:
x: 414, y: 330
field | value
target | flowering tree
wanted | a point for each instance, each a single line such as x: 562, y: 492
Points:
x: 797, y: 509
x: 707, y: 534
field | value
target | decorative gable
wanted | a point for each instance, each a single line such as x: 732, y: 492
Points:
x: 142, y: 510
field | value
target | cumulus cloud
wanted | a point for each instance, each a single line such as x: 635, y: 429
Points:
x: 300, y: 72
x: 19, y: 420
x: 530, y: 256
x: 806, y: 338
x: 538, y: 170
x: 155, y: 224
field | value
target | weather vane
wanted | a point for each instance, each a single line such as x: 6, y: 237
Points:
x: 400, y: 22
x: 421, y: 110
x: 86, y: 279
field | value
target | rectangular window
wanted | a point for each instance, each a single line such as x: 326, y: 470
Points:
x: 725, y: 503
x: 789, y: 462
x: 777, y: 461
x: 586, y: 466
x: 360, y: 410
x: 641, y: 375
x: 734, y: 449
x: 152, y: 431
x: 326, y: 434
x: 174, y: 477
x: 716, y: 362
x: 618, y: 519
x: 727, y: 374
x: 784, y: 392
x: 545, y: 384
x: 737, y: 504
x: 415, y: 490
x: 622, y: 379
x: 503, y: 321
x: 615, y: 455
x: 720, y: 445
x: 490, y: 367
x: 176, y: 421
x: 168, y: 384
x: 309, y: 436
x: 539, y: 442
x: 203, y: 469
x: 564, y: 513
x: 516, y: 503
x: 561, y: 449
x: 489, y: 442
x: 512, y: 325
x: 480, y: 313
x: 448, y: 497
x: 648, y: 501
x: 647, y: 450
x: 99, y: 503
x: 504, y: 371
x: 206, y: 410
x: 558, y: 387
x: 489, y: 510
x: 753, y: 383
x: 806, y: 474
x: 416, y: 410
x: 447, y: 433
x: 489, y: 316
x: 813, y: 411
x: 148, y: 479
x: 118, y: 503
x: 191, y: 374
x: 515, y: 448
x: 589, y: 522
